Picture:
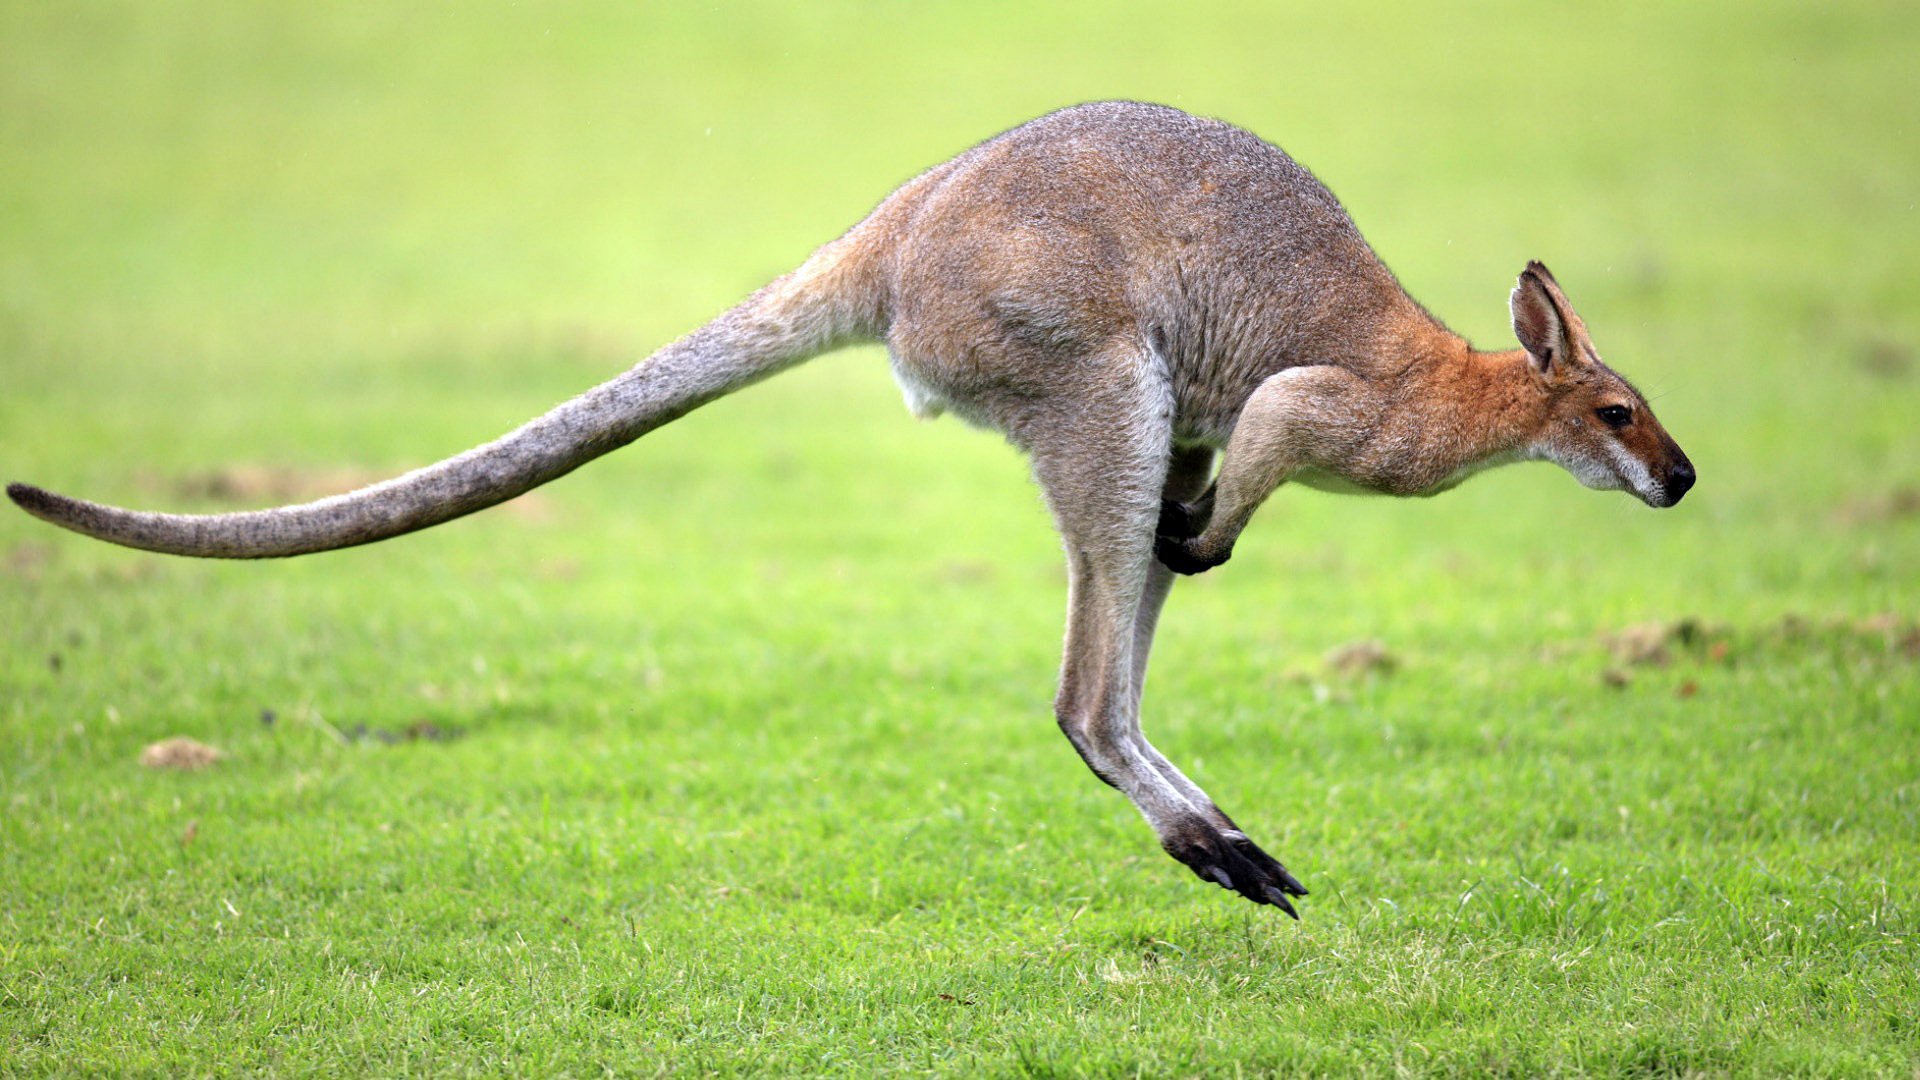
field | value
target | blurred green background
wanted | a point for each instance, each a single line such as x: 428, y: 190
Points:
x: 754, y: 766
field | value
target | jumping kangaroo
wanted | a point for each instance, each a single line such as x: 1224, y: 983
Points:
x: 1123, y: 291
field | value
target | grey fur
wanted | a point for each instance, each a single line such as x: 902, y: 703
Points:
x: 1122, y: 290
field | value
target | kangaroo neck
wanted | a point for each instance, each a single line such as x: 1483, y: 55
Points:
x: 1467, y: 410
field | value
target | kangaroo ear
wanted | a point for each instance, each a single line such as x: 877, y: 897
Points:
x: 1544, y: 322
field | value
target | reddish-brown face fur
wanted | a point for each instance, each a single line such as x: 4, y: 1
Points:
x: 1595, y: 424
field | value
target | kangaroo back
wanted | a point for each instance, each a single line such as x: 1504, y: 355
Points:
x: 828, y: 301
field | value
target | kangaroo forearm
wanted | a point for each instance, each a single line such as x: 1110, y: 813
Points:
x: 1299, y: 418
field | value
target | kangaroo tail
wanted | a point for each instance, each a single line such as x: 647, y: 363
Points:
x: 829, y: 301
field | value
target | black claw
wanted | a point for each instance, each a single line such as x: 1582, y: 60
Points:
x: 1279, y: 899
x: 1269, y: 866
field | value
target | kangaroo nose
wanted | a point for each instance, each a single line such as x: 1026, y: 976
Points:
x: 1679, y: 481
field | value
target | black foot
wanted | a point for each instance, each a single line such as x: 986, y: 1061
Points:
x: 1177, y: 555
x: 1228, y: 859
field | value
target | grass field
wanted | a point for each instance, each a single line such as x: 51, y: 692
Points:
x: 733, y: 752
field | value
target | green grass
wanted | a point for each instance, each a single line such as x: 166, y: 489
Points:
x: 755, y: 769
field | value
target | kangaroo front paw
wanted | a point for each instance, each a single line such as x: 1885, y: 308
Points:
x: 1228, y: 859
x: 1177, y: 520
x: 1179, y: 556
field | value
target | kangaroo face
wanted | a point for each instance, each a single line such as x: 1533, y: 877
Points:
x: 1597, y: 426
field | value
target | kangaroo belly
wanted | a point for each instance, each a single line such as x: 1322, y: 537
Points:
x: 929, y: 396
x: 1333, y: 483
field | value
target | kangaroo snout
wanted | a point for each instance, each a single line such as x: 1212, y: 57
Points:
x: 1679, y: 481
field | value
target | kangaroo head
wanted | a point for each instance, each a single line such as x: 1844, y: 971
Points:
x: 1596, y: 425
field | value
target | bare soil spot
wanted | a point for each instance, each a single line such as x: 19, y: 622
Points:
x: 182, y: 753
x: 1653, y: 644
x: 1658, y: 644
x: 1642, y: 644
x: 1362, y: 658
x: 1901, y: 502
x: 27, y: 560
x: 1885, y: 358
x: 1898, y: 633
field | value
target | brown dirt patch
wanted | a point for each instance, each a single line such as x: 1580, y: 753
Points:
x: 27, y: 560
x: 181, y: 752
x: 1901, y: 502
x: 1653, y: 644
x: 1362, y: 658
x: 1885, y: 358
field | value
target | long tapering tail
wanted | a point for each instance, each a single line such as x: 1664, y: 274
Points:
x: 827, y: 302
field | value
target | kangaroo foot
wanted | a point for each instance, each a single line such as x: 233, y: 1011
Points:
x: 1228, y: 859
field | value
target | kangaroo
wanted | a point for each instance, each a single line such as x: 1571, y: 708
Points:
x: 1123, y: 291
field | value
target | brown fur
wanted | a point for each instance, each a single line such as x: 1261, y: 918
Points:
x: 1123, y: 290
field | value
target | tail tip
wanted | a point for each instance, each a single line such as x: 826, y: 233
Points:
x: 33, y: 500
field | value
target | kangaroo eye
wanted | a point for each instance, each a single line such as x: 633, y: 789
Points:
x: 1614, y: 416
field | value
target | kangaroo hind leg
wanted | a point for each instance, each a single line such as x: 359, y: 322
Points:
x: 1103, y: 475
